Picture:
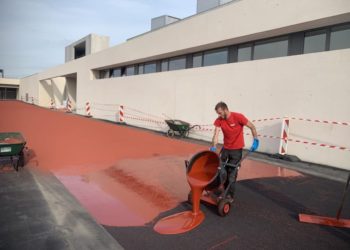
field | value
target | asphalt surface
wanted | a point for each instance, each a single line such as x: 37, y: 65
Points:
x: 264, y: 216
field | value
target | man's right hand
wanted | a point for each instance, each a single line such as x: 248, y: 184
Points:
x: 213, y: 149
x: 255, y: 145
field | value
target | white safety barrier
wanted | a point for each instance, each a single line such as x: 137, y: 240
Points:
x: 52, y: 105
x: 284, y: 136
x: 88, y: 109
x: 69, y: 106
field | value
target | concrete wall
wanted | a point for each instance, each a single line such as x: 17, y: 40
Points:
x: 307, y: 86
x: 29, y: 88
x: 10, y: 82
x: 93, y: 43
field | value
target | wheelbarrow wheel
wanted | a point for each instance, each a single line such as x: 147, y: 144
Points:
x: 189, y: 197
x: 21, y: 159
x: 224, y: 207
x: 185, y: 133
x: 170, y: 133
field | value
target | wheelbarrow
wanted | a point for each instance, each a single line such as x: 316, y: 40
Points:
x: 180, y: 128
x: 213, y: 194
x: 11, y: 149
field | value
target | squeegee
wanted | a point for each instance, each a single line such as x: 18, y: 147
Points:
x: 329, y: 221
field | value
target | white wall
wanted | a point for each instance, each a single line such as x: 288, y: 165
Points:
x: 29, y: 86
x: 9, y: 81
x: 306, y: 86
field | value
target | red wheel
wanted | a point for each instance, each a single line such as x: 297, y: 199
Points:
x: 224, y: 207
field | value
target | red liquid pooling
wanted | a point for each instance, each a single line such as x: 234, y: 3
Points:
x: 201, y: 171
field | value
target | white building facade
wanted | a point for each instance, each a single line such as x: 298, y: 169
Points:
x: 266, y: 59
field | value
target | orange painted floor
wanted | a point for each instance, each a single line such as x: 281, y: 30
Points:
x: 121, y: 175
x: 129, y: 178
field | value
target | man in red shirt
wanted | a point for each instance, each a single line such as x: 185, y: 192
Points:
x: 231, y: 125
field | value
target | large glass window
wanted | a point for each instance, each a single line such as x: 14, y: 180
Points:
x: 340, y: 37
x: 130, y: 70
x: 215, y: 57
x: 116, y: 72
x: 197, y: 60
x: 271, y: 48
x: 141, y: 69
x: 177, y: 63
x: 244, y: 53
x: 11, y: 93
x: 104, y: 73
x: 150, y: 68
x: 164, y: 65
x: 315, y: 41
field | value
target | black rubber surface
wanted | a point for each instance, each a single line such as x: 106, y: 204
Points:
x: 264, y: 216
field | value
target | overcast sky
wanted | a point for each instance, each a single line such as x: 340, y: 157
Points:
x: 34, y: 33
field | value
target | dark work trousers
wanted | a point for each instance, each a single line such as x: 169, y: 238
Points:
x: 233, y: 156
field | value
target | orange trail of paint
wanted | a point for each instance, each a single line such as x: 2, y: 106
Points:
x: 201, y: 171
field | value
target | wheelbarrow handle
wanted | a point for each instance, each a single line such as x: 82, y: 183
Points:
x: 192, y: 127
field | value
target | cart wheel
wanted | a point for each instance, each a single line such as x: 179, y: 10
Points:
x: 185, y: 133
x: 189, y: 197
x: 15, y: 164
x: 21, y: 159
x: 170, y: 133
x: 224, y: 207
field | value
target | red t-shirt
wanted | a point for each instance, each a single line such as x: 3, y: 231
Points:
x: 232, y: 128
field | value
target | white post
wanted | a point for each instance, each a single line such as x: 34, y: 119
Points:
x: 284, y: 136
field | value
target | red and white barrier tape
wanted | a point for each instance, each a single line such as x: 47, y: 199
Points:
x: 321, y: 121
x: 139, y: 118
x: 304, y: 142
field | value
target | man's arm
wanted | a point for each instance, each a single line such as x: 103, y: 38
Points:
x: 215, y: 137
x: 252, y: 128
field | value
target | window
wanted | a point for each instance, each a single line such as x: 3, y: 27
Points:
x: 8, y: 93
x: 215, y: 57
x: 177, y: 63
x: 244, y: 53
x: 150, y: 68
x: 116, y: 72
x: 79, y: 50
x: 197, y: 60
x: 130, y: 70
x: 164, y: 66
x: 340, y: 37
x: 315, y: 41
x: 301, y: 42
x: 104, y: 73
x: 141, y: 69
x: 271, y: 48
x: 11, y: 93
